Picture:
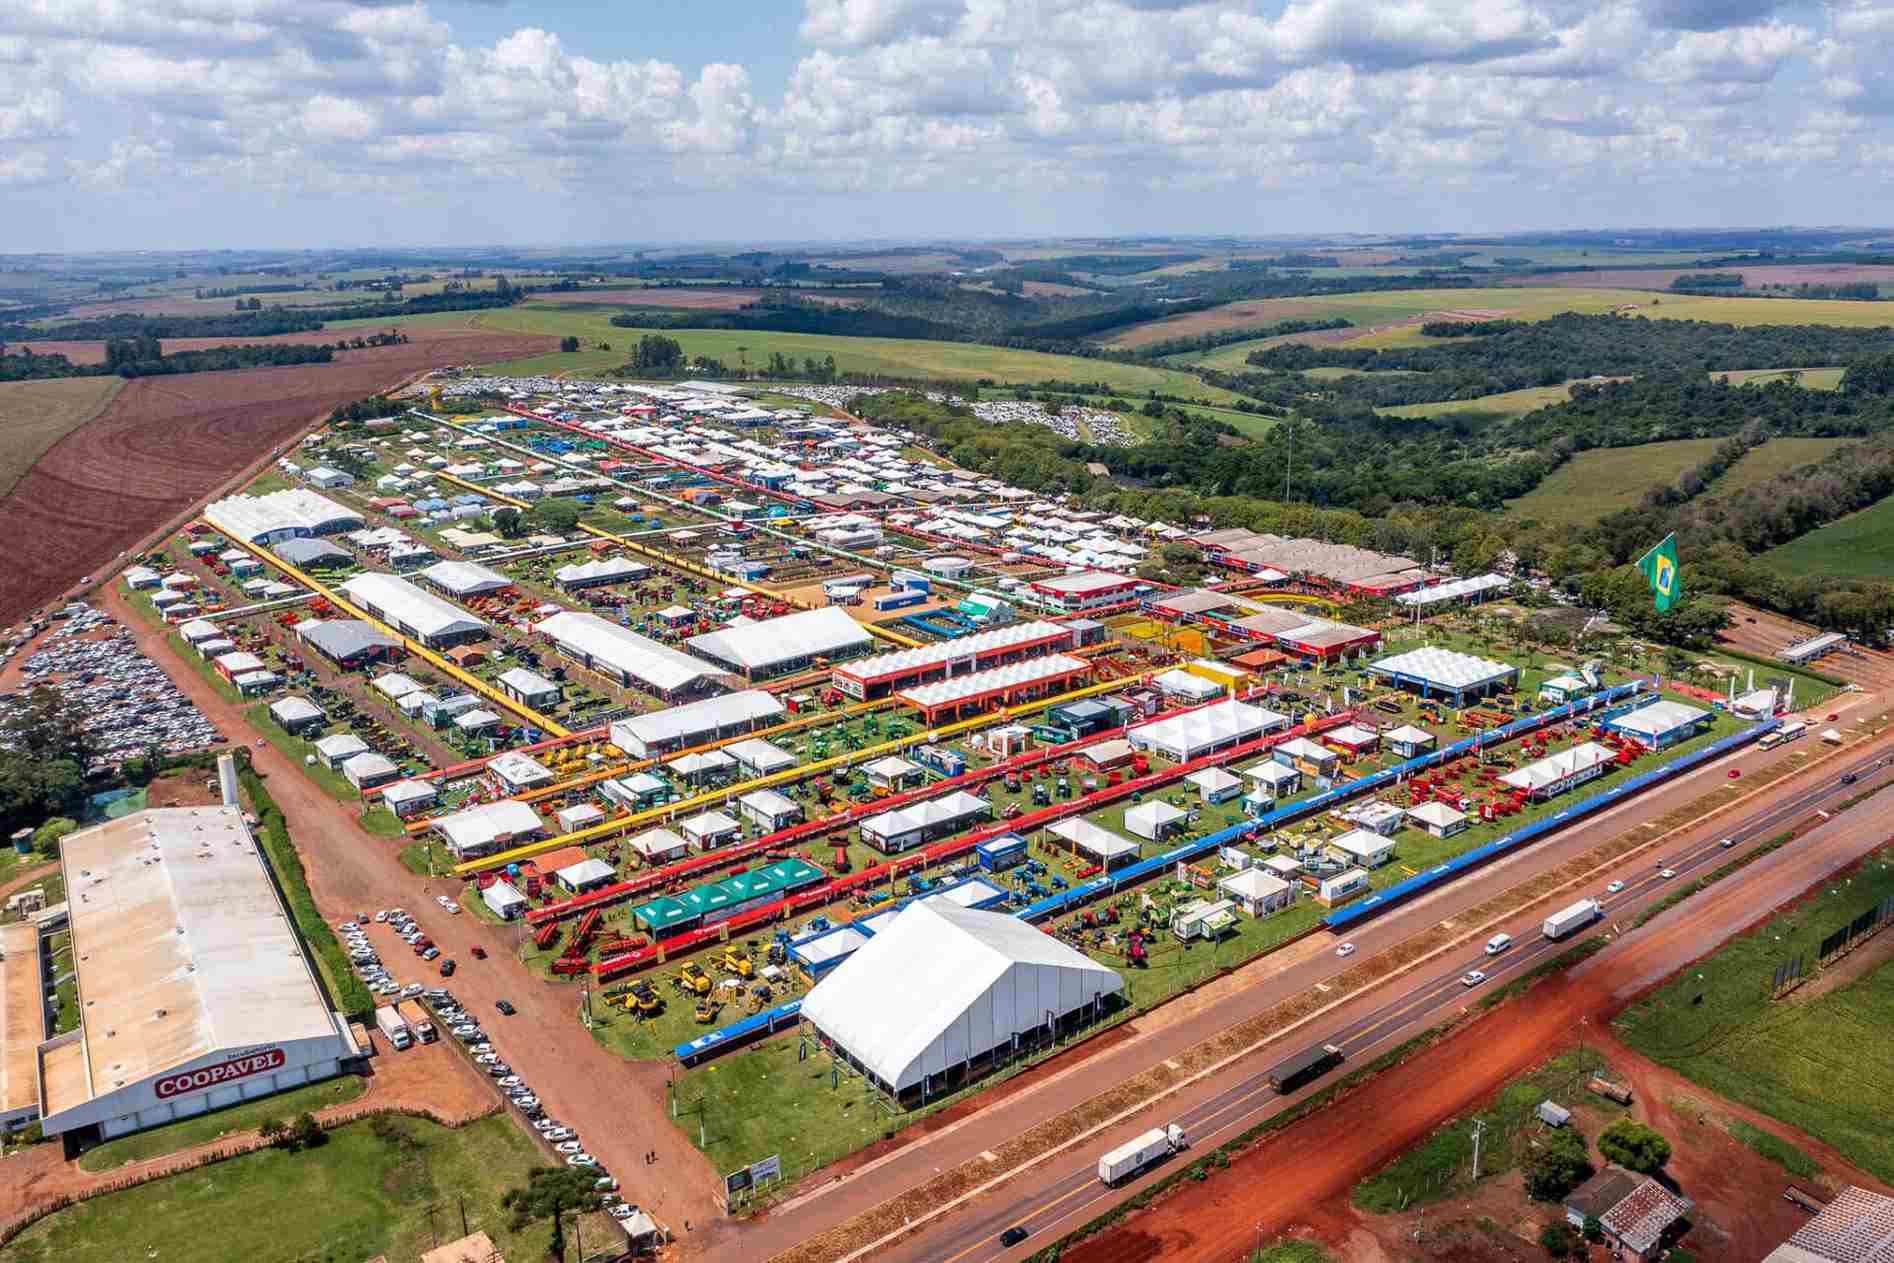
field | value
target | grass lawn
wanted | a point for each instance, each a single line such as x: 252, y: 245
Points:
x: 359, y: 1195
x: 1821, y: 1064
x: 901, y: 357
x: 1512, y: 403
x: 1772, y: 458
x: 66, y: 1009
x: 1791, y: 1158
x: 1859, y: 546
x: 34, y: 415
x: 1606, y: 479
x: 1441, y: 1166
x: 1808, y: 378
x: 331, y: 782
x: 247, y: 1116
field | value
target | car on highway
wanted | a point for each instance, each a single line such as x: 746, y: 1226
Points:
x: 1346, y: 949
x: 1014, y: 1235
x: 1667, y: 873
x: 1614, y: 887
x: 506, y: 1007
x: 1848, y: 778
x: 1727, y: 843
x: 1473, y: 977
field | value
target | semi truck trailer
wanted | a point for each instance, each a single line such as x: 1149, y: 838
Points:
x: 394, y: 1028
x: 1134, y: 1156
x: 1576, y: 917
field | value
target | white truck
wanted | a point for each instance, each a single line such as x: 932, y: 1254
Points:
x: 1134, y: 1155
x: 417, y: 1020
x: 394, y: 1028
x: 1579, y: 915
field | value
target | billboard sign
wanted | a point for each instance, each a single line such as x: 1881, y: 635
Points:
x: 203, y: 1077
x: 769, y: 1168
x: 736, y: 1182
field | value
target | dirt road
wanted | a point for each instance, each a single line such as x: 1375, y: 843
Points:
x: 618, y: 1115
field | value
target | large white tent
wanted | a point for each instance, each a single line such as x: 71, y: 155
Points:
x: 940, y: 986
x: 1205, y: 731
x: 624, y: 654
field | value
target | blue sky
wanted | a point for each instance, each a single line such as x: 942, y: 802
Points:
x: 198, y: 123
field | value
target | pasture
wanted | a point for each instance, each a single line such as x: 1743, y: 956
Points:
x: 893, y: 357
x: 1859, y: 546
x: 1820, y: 1062
x: 1512, y: 403
x: 1772, y: 458
x: 1605, y: 479
x: 34, y: 415
x: 1807, y: 378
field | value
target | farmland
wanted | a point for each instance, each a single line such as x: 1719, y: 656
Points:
x: 894, y: 357
x: 35, y: 415
x: 1816, y: 1063
x: 1859, y: 546
x: 1807, y: 378
x: 1772, y: 458
x: 1604, y: 480
x: 359, y: 1195
x: 1511, y: 404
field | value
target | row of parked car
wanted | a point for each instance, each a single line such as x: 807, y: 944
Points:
x: 463, y: 1026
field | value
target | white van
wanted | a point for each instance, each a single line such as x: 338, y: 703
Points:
x: 1498, y: 943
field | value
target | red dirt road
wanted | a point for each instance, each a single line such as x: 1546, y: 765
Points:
x: 1320, y: 1158
x: 164, y: 442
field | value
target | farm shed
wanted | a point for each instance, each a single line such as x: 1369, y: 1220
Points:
x: 339, y: 748
x: 1662, y: 724
x: 489, y: 827
x: 1200, y: 732
x: 663, y: 731
x: 1108, y: 849
x: 528, y: 687
x: 198, y: 990
x: 1856, y: 1226
x: 626, y: 656
x: 1153, y: 819
x: 1257, y: 892
x: 1635, y: 1212
x: 347, y: 642
x: 943, y: 992
x: 294, y: 714
x: 404, y: 798
x: 660, y: 845
x: 918, y: 823
x: 1556, y: 773
x: 1436, y: 672
x: 776, y: 646
x: 421, y: 615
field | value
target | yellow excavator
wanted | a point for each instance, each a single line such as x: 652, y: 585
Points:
x: 692, y: 978
x: 733, y: 961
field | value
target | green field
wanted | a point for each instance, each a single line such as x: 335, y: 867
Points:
x: 1808, y: 378
x: 34, y: 415
x: 1859, y: 546
x: 247, y: 1116
x: 899, y: 357
x: 1774, y: 457
x: 1606, y: 479
x: 1822, y: 1064
x: 1512, y: 403
x: 355, y: 1197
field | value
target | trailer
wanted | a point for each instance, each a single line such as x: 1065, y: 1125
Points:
x: 1566, y: 920
x: 394, y: 1028
x: 1135, y: 1155
x: 901, y: 598
x: 419, y: 1023
x: 1311, y: 1063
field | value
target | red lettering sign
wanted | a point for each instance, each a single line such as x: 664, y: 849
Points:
x: 209, y: 1076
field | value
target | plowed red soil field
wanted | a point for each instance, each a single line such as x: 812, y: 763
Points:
x: 92, y: 350
x: 165, y: 442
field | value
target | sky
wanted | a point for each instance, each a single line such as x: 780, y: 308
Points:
x: 188, y: 124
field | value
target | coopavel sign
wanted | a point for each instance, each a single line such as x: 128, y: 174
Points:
x: 209, y: 1076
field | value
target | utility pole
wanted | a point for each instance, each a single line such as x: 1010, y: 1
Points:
x: 1479, y: 1125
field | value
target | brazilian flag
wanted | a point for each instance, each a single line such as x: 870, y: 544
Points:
x: 1660, y: 568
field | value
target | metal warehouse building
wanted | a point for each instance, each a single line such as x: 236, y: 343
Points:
x: 663, y: 731
x: 1435, y: 672
x: 413, y: 612
x: 1662, y: 724
x: 195, y: 991
x: 280, y: 515
x: 777, y: 646
x: 626, y: 656
x: 942, y: 992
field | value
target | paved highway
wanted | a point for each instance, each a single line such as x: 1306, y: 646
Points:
x: 1063, y: 1193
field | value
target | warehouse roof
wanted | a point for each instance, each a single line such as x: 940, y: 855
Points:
x: 899, y: 996
x: 1197, y: 730
x: 527, y: 683
x: 961, y: 649
x: 1445, y: 668
x: 1857, y: 1226
x: 482, y: 826
x: 296, y: 508
x: 182, y: 947
x: 764, y: 756
x: 402, y: 602
x: 306, y: 552
x: 1084, y: 583
x: 465, y: 578
x: 22, y: 1025
x: 661, y: 726
x: 947, y: 809
x: 1556, y: 767
x: 759, y: 646
x: 639, y: 657
x: 345, y: 638
x: 1658, y: 718
x: 961, y: 688
x: 601, y: 570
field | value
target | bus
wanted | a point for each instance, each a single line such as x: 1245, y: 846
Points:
x: 1790, y: 731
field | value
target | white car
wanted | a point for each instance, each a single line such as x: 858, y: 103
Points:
x: 581, y: 1160
x: 561, y: 1133
x: 1346, y: 949
x: 452, y: 907
x: 381, y: 917
x: 512, y: 1081
x: 621, y: 1211
x: 486, y: 1058
x: 441, y: 899
x: 568, y: 1146
x: 527, y: 1104
x: 1473, y: 977
x: 1614, y: 887
x: 546, y: 1124
x: 1727, y: 843
x: 1667, y: 873
x: 412, y: 989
